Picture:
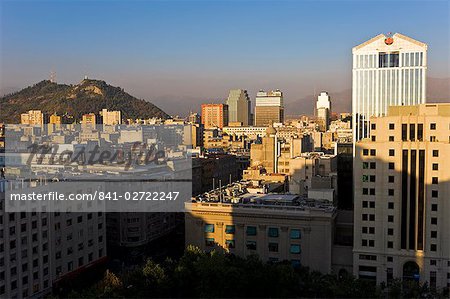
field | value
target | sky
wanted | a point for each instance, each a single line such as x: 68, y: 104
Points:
x: 182, y: 53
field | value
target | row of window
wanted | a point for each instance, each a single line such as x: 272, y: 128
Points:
x: 272, y: 232
x: 252, y: 245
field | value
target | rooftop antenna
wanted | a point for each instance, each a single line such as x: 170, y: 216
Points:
x: 53, y: 77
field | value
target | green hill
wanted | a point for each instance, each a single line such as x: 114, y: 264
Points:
x: 75, y: 100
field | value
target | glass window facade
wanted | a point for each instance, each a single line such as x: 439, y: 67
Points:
x: 209, y: 228
x: 251, y: 231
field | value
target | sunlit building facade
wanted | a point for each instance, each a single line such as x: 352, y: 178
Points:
x: 387, y: 70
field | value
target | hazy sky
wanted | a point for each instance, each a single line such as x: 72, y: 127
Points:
x: 198, y: 50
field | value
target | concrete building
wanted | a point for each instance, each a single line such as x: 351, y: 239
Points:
x: 111, y: 118
x: 387, y: 70
x: 214, y: 115
x: 239, y: 107
x: 55, y: 119
x: 89, y: 120
x: 402, y: 191
x: 276, y: 227
x: 323, y: 111
x: 32, y: 118
x: 41, y: 250
x: 269, y: 108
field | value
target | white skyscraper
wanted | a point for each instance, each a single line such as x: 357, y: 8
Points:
x: 323, y: 108
x: 387, y: 70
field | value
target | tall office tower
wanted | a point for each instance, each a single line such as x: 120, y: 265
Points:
x: 387, y: 70
x: 111, y: 118
x: 402, y: 191
x: 269, y: 108
x: 323, y: 108
x: 214, y: 115
x: 32, y: 118
x: 239, y: 107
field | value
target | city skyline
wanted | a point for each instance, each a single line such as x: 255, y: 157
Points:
x: 227, y: 46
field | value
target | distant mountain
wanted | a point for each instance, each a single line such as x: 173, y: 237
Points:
x: 438, y: 90
x: 86, y: 97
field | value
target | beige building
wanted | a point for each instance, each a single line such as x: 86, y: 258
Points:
x: 111, y: 118
x: 214, y: 115
x: 402, y: 191
x: 244, y: 224
x: 32, y: 118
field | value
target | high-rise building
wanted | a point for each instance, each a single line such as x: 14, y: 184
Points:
x: 402, y: 191
x: 387, y: 70
x: 239, y: 107
x: 89, y: 119
x: 323, y: 108
x: 32, y: 118
x: 269, y: 108
x: 55, y: 119
x: 111, y: 118
x: 214, y: 115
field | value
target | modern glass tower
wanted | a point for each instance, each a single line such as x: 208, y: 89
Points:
x: 387, y: 70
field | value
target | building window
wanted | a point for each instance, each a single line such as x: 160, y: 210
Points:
x: 420, y: 132
x: 391, y: 126
x: 230, y: 229
x: 435, y: 166
x: 433, y: 234
x: 373, y: 152
x: 434, y: 220
x: 373, y: 165
x: 404, y: 132
x: 391, y: 192
x: 373, y: 126
x: 295, y: 234
x: 273, y: 247
x: 432, y: 138
x: 365, y: 191
x: 229, y: 244
x: 433, y: 247
x: 390, y: 244
x: 434, y: 180
x: 371, y: 243
x: 391, y: 153
x: 273, y: 232
x: 391, y: 179
x: 432, y: 126
x: 434, y: 193
x: 372, y: 204
x: 412, y: 132
x: 365, y: 165
x: 390, y: 231
x: 371, y: 217
x: 391, y: 165
x: 391, y: 139
x: 435, y: 153
x: 390, y: 218
x: 390, y: 205
x: 434, y: 207
x: 209, y: 228
x: 372, y: 178
x: 365, y: 178
x: 372, y: 191
x: 251, y: 245
x: 365, y: 152
x: 209, y: 242
x: 374, y: 138
x: 295, y: 249
x: 251, y: 231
